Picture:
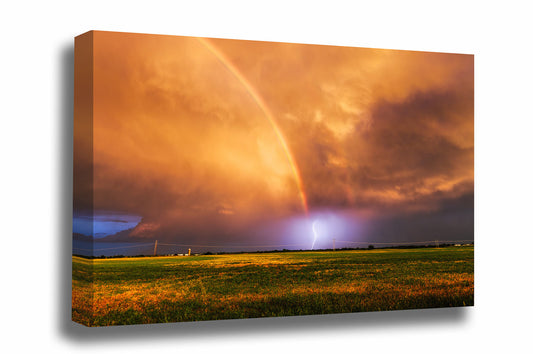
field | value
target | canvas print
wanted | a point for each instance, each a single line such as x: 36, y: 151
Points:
x: 229, y: 179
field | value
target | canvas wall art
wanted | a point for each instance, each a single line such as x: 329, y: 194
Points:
x: 230, y: 179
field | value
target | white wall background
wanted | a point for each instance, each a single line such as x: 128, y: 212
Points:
x: 35, y: 111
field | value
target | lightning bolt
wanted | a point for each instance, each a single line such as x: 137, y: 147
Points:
x: 315, y: 233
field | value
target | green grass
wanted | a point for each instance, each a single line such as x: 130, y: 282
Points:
x: 172, y: 289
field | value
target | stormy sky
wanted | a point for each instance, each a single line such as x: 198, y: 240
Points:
x: 226, y: 142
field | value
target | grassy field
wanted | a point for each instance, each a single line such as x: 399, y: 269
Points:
x: 171, y: 289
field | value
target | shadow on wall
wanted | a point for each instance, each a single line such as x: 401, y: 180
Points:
x: 269, y: 327
x: 65, y: 153
x: 190, y: 330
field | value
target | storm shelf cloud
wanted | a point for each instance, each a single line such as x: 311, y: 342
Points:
x: 213, y: 141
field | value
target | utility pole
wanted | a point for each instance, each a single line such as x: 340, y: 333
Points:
x: 155, y: 248
x: 333, y: 244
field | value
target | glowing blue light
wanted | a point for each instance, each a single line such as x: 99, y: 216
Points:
x: 315, y: 232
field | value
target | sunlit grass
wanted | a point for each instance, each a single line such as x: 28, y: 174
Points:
x: 171, y: 289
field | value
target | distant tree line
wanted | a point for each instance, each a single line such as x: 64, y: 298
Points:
x: 368, y: 248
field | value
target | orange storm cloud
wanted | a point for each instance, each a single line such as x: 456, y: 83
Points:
x: 197, y: 135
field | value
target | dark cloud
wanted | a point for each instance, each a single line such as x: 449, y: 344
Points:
x: 453, y: 221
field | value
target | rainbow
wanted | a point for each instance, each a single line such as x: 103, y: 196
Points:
x: 263, y: 107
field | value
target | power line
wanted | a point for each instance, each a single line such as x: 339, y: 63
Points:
x: 405, y: 243
x: 271, y: 245
x: 112, y: 248
x: 231, y: 246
